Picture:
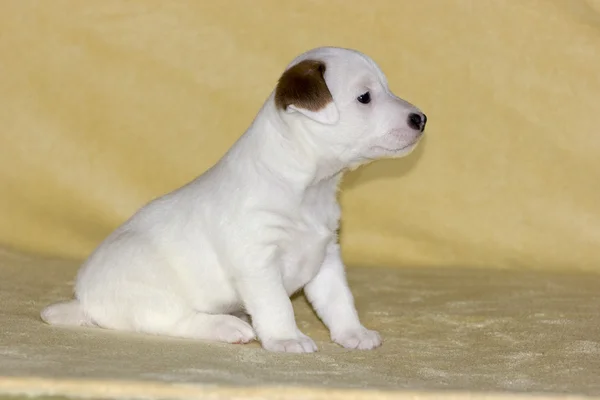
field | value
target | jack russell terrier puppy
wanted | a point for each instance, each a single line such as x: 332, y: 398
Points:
x: 259, y: 225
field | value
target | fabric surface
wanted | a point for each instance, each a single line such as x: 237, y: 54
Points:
x: 105, y: 105
x: 445, y: 331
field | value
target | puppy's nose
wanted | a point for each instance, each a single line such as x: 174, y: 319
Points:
x: 417, y: 121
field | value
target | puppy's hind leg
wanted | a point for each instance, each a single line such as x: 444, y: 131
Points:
x: 157, y: 312
x: 162, y: 313
x: 213, y: 327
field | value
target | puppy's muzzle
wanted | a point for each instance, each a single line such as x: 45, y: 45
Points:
x: 417, y: 121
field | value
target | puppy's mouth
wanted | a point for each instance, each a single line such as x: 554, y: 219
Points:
x: 398, y: 149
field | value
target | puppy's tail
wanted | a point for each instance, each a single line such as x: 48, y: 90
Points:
x: 68, y: 313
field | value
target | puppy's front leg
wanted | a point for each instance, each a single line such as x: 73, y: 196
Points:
x: 330, y: 296
x: 270, y: 307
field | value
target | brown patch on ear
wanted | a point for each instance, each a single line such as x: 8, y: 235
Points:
x: 303, y: 85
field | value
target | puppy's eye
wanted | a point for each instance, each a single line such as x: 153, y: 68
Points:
x: 364, y: 98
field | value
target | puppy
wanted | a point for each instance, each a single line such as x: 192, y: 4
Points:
x: 259, y: 225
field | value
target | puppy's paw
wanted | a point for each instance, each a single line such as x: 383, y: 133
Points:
x: 231, y: 329
x: 301, y: 344
x: 361, y: 339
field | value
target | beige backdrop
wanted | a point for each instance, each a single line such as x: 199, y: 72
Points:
x: 107, y: 104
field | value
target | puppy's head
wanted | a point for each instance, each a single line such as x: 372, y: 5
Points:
x: 341, y: 99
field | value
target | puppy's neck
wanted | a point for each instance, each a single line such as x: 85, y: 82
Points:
x: 275, y: 150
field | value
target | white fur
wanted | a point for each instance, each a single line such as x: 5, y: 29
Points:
x: 256, y: 227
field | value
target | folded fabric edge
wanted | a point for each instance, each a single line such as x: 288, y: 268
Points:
x: 115, y: 389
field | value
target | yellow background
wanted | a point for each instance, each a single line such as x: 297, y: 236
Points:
x: 105, y: 105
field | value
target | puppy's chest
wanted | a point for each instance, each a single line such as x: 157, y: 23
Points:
x: 305, y: 247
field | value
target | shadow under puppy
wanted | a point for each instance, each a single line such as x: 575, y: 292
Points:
x: 257, y: 226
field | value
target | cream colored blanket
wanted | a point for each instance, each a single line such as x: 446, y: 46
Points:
x: 447, y: 333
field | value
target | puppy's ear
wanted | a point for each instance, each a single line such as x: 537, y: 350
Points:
x: 302, y: 89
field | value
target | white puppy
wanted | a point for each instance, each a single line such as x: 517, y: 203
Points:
x: 259, y: 225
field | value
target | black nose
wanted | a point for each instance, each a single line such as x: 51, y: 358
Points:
x: 417, y: 121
